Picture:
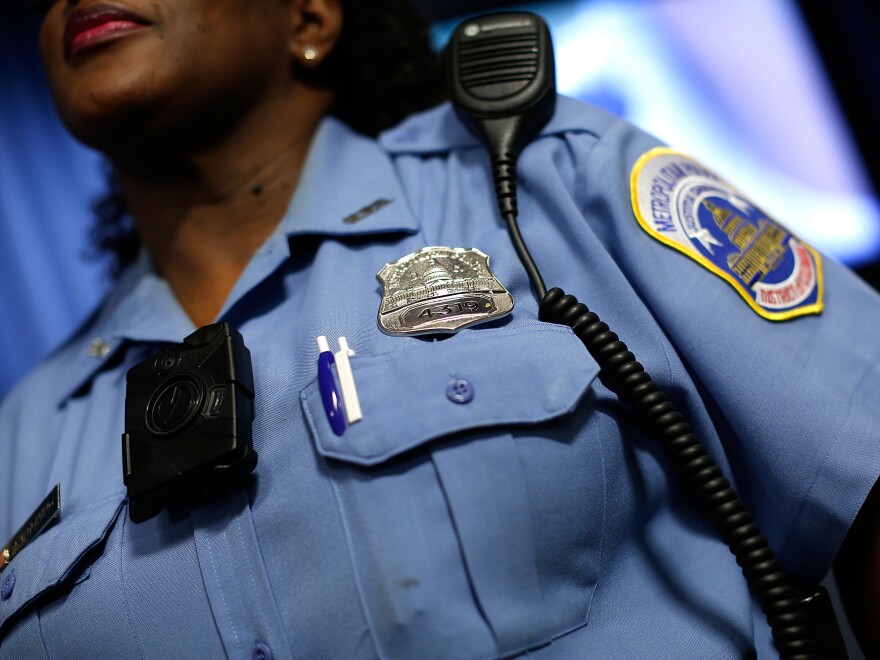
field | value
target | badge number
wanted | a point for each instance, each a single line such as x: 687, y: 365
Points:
x: 455, y: 306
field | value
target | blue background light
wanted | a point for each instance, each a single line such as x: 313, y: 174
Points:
x: 738, y: 86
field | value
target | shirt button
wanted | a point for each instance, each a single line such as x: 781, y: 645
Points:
x: 459, y: 391
x: 8, y: 585
x: 262, y: 651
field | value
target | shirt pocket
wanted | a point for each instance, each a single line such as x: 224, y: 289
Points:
x: 51, y: 567
x: 472, y: 492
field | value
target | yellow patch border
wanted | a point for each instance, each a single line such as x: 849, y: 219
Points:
x: 814, y: 308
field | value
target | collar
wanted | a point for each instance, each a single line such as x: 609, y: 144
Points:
x: 141, y: 307
x: 438, y: 130
x: 348, y: 187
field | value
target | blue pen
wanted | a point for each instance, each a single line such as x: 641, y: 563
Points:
x: 327, y: 385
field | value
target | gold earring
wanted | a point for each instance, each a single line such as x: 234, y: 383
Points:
x: 310, y: 53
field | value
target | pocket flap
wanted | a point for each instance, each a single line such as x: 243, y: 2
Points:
x: 55, y: 559
x: 522, y: 375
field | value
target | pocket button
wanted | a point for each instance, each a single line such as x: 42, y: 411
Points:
x: 459, y: 391
x: 262, y: 651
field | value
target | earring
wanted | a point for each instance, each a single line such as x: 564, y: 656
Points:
x: 310, y: 53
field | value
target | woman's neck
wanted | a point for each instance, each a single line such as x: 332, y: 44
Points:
x: 202, y: 216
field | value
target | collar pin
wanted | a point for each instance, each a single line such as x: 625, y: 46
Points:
x: 98, y: 348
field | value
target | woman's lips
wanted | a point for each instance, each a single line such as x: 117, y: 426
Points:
x: 97, y: 24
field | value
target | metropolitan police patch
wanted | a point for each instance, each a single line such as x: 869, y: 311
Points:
x: 688, y: 207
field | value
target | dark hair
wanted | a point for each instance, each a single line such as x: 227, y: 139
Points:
x: 382, y: 69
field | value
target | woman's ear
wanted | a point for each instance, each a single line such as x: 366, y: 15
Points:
x: 316, y: 26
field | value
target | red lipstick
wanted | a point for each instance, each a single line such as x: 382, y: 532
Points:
x: 98, y: 24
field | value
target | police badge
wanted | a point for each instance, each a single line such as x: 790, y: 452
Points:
x: 440, y: 290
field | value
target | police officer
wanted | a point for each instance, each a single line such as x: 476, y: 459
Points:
x: 494, y: 499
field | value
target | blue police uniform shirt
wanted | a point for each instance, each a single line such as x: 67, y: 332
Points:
x: 536, y: 517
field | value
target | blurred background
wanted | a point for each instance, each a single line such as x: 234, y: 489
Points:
x: 779, y: 97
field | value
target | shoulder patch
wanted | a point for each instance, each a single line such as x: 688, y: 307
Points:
x: 688, y: 207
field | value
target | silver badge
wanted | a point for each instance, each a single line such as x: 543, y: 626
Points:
x: 440, y: 289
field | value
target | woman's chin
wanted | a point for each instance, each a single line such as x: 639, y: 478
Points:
x: 111, y: 126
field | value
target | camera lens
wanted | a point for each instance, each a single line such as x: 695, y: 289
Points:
x: 174, y: 405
